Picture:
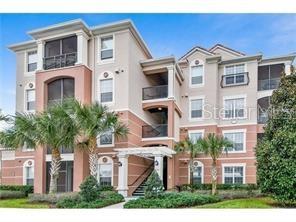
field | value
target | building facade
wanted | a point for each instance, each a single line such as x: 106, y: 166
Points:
x: 161, y: 100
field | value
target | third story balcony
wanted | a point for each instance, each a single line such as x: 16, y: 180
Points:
x: 155, y: 92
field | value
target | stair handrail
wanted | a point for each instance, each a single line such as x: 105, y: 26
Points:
x: 142, y: 174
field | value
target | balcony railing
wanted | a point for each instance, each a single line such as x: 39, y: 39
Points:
x: 155, y: 92
x: 149, y: 131
x: 268, y: 84
x: 60, y: 61
x: 235, y: 79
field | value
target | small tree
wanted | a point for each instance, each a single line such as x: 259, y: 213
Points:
x: 276, y: 153
x: 190, y: 147
x: 89, y: 189
x: 154, y: 186
x: 214, y: 146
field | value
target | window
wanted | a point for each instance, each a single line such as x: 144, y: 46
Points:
x: 106, y: 86
x: 106, y: 47
x: 30, y: 99
x: 28, y: 172
x: 234, y: 108
x: 60, y: 89
x: 198, y: 171
x: 197, y: 75
x: 237, y: 139
x: 195, y: 135
x: 235, y: 69
x: 106, y: 139
x: 27, y: 148
x: 105, y: 171
x: 32, y: 61
x: 233, y: 174
x: 196, y: 108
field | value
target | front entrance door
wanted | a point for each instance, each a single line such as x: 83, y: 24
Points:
x: 165, y: 172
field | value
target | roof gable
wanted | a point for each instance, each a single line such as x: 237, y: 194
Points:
x: 226, y: 49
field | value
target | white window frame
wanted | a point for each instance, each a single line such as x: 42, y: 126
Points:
x: 192, y: 64
x: 105, y: 61
x: 101, y: 77
x: 234, y: 165
x: 202, y: 171
x: 233, y: 98
x: 105, y: 145
x: 100, y: 162
x: 26, y: 88
x: 26, y: 73
x: 202, y: 131
x: 235, y: 64
x: 26, y: 149
x: 244, y: 131
x: 25, y: 165
x: 203, y: 102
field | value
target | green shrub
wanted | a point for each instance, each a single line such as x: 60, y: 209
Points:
x: 276, y: 153
x: 51, y: 198
x: 89, y: 189
x: 105, y: 198
x: 173, y: 200
x: 23, y: 188
x: 105, y: 188
x: 154, y: 186
x: 188, y: 187
x: 9, y: 194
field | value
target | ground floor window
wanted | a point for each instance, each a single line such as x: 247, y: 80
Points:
x: 233, y: 174
x: 197, y: 172
x: 105, y: 171
x: 28, y: 173
x: 65, y: 180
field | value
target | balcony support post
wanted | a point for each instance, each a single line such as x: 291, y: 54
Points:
x: 82, y: 52
x: 171, y: 81
x: 40, y: 54
x: 123, y: 174
x: 158, y: 165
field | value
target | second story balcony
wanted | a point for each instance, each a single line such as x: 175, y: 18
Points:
x: 152, y: 131
x: 155, y: 92
x: 268, y: 84
x: 60, y: 61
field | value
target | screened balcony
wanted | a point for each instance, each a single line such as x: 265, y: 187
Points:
x: 60, y: 53
x: 159, y: 128
x: 155, y: 92
x: 263, y: 106
x: 269, y: 76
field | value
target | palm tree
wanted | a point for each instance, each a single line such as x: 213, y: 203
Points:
x: 188, y: 146
x: 214, y: 146
x: 53, y: 128
x: 93, y: 120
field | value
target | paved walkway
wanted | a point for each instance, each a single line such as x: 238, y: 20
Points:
x: 119, y: 205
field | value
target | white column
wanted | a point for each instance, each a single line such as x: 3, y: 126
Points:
x: 171, y: 81
x: 40, y: 54
x: 122, y: 174
x: 158, y: 165
x: 287, y: 68
x: 82, y: 48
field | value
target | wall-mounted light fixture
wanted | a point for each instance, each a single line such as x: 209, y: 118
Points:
x: 156, y: 163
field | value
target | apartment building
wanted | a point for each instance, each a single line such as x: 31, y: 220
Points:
x: 162, y: 100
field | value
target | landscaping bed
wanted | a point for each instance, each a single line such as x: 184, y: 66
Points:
x: 173, y: 200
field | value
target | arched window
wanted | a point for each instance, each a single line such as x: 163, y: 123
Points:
x: 60, y: 89
x: 105, y: 171
x: 198, y: 172
x: 196, y: 73
x: 106, y: 87
x: 28, y: 172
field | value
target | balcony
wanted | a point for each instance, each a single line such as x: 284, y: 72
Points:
x: 154, y: 131
x: 155, y: 92
x: 268, y: 84
x: 236, y: 79
x: 60, y: 61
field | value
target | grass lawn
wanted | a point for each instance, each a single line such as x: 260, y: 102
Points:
x: 20, y: 203
x: 263, y: 202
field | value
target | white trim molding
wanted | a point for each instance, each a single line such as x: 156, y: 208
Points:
x: 234, y: 165
x: 108, y: 161
x: 27, y: 163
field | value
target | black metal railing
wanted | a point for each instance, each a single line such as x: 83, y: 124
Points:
x: 60, y: 61
x: 160, y: 130
x: 235, y: 79
x: 155, y: 92
x: 268, y: 84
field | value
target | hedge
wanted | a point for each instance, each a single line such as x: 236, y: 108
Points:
x: 9, y: 194
x: 50, y: 198
x: 26, y: 189
x: 105, y: 198
x: 188, y: 187
x: 173, y: 200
